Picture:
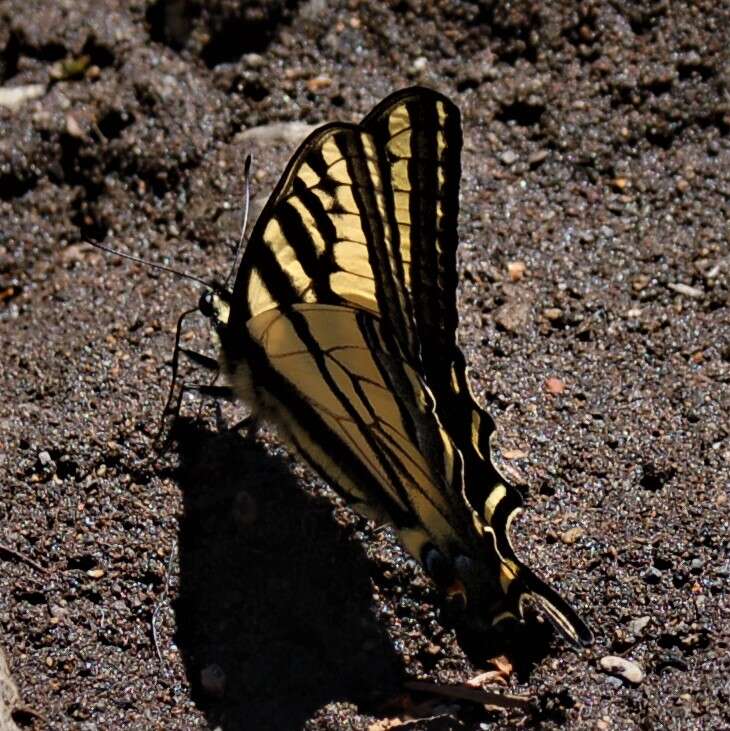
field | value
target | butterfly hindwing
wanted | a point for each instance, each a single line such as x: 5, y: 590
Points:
x: 339, y: 387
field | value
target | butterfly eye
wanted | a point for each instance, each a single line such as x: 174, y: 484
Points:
x: 205, y: 304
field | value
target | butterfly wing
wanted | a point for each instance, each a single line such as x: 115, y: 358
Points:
x: 364, y: 217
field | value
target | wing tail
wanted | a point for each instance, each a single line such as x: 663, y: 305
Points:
x: 527, y: 588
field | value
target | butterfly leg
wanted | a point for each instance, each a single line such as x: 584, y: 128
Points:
x: 175, y: 364
x: 175, y: 394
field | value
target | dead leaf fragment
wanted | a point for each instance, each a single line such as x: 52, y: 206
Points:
x: 70, y: 68
x: 501, y: 673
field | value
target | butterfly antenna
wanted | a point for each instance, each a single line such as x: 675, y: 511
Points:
x: 152, y: 264
x: 246, y: 201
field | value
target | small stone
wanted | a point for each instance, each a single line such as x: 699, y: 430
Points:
x: 508, y: 157
x: 290, y: 133
x: 319, y: 83
x: 682, y: 185
x: 555, y: 386
x: 636, y: 626
x: 571, y: 535
x: 516, y: 270
x: 514, y: 453
x: 213, y: 680
x: 45, y: 459
x: 512, y: 316
x: 537, y: 157
x: 419, y: 64
x: 13, y: 97
x: 640, y: 282
x: 686, y: 290
x: 696, y: 565
x: 552, y: 313
x: 73, y: 127
x: 623, y: 668
x: 95, y: 573
x: 634, y: 313
x: 253, y: 60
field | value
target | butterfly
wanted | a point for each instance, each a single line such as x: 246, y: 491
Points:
x: 341, y: 330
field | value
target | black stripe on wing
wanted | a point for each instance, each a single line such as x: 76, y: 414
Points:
x: 418, y: 137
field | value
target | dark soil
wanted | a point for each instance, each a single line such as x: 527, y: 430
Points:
x: 219, y: 584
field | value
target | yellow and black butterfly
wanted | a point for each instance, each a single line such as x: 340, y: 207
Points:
x: 341, y: 328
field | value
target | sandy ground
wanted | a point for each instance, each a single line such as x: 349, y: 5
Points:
x: 220, y: 585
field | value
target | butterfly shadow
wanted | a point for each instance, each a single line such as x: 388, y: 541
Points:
x: 273, y: 612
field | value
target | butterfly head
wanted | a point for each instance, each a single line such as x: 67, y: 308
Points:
x: 215, y: 304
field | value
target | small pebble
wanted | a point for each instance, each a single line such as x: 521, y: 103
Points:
x: 14, y: 97
x: 45, y: 459
x: 516, y: 270
x: 253, y: 60
x: 555, y: 386
x: 319, y: 83
x: 571, y: 535
x: 640, y: 282
x: 508, y: 157
x: 686, y: 290
x: 512, y: 316
x: 73, y: 127
x: 621, y: 667
x: 636, y: 626
x: 537, y: 157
